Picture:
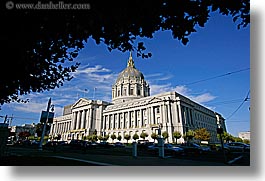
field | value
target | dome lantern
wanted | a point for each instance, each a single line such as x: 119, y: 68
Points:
x: 130, y: 84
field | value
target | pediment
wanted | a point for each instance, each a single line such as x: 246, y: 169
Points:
x: 81, y: 102
x: 155, y: 100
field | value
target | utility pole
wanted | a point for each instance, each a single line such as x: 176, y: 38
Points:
x: 44, y: 126
x: 5, y: 119
x: 220, y: 132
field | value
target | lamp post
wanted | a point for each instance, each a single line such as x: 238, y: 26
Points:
x: 160, y: 142
x: 45, y: 123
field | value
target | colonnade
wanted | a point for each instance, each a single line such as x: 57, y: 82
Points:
x: 82, y: 119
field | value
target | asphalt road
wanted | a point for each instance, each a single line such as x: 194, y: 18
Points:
x: 30, y: 156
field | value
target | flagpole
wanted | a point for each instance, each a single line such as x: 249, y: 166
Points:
x: 94, y: 93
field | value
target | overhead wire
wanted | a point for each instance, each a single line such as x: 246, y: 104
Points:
x: 245, y: 99
x: 218, y: 76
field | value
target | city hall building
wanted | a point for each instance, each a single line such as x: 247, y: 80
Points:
x: 133, y: 110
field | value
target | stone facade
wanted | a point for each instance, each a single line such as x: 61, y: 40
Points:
x: 133, y: 110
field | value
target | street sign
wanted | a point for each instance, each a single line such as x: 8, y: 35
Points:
x: 43, y: 117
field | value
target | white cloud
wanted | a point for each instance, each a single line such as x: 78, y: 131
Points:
x: 158, y: 76
x: 30, y: 107
x: 183, y: 90
x: 91, y: 70
x: 157, y: 89
x: 206, y: 97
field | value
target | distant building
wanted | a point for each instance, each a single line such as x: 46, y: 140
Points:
x: 133, y: 111
x: 244, y: 135
x: 31, y: 128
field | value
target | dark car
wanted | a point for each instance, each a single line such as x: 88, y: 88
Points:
x: 237, y: 147
x: 76, y: 144
x: 105, y: 144
x: 194, y: 148
x: 143, y: 144
x: 169, y: 149
x: 50, y: 144
x: 119, y: 145
x: 89, y: 144
x: 173, y: 150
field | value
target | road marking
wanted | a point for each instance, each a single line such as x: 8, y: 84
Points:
x: 234, y: 160
x: 87, y: 161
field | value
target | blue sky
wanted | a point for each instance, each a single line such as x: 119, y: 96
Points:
x: 214, y: 50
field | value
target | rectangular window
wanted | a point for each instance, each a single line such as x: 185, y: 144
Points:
x: 131, y: 91
x: 124, y: 92
x: 138, y: 92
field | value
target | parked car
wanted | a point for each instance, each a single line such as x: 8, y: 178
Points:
x: 168, y: 149
x: 105, y: 144
x: 194, y: 148
x: 76, y: 144
x: 152, y: 147
x: 50, y: 144
x: 143, y: 144
x: 89, y: 144
x: 237, y: 147
x: 174, y: 150
x: 119, y: 145
x: 34, y: 142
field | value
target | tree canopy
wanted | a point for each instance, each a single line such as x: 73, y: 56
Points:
x: 202, y: 134
x: 39, y: 46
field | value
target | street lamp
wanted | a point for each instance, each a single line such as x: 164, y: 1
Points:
x: 45, y: 123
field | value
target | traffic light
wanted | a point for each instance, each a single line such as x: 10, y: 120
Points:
x: 220, y: 130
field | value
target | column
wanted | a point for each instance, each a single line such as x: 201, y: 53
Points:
x: 128, y: 119
x: 149, y: 117
x: 169, y: 112
x: 162, y: 119
x: 52, y: 127
x: 77, y: 120
x: 83, y: 120
x: 113, y: 121
x: 142, y: 90
x: 59, y: 125
x: 192, y: 117
x: 135, y: 119
x: 109, y: 121
x: 179, y: 113
x: 188, y: 115
x: 119, y: 120
x: 67, y: 126
x: 152, y: 115
x: 91, y: 118
x: 135, y: 89
x: 74, y: 120
x: 141, y: 118
x: 87, y: 119
x: 63, y: 125
x: 124, y: 121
